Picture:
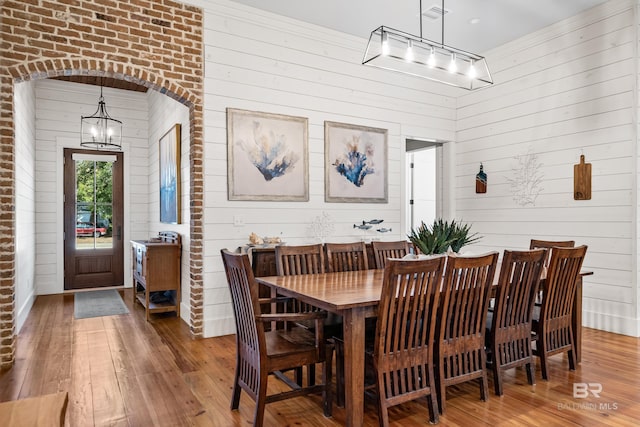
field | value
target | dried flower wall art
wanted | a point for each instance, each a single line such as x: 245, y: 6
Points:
x: 355, y: 163
x: 267, y: 156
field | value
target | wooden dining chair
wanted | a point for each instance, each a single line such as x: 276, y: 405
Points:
x: 509, y: 323
x: 548, y: 244
x: 304, y: 259
x: 551, y: 324
x: 346, y: 256
x: 403, y: 351
x: 466, y: 291
x: 261, y: 353
x: 382, y: 251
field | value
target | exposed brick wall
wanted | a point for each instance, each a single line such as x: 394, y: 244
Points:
x: 155, y: 43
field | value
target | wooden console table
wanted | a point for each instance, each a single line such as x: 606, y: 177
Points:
x: 156, y: 268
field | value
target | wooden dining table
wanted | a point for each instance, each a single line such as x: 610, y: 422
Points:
x: 355, y: 296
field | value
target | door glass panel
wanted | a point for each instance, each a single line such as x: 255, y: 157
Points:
x: 94, y: 204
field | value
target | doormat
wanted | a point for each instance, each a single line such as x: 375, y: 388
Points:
x: 98, y: 303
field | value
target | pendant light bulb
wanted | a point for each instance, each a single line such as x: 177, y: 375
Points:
x: 385, y: 43
x: 409, y: 55
x: 472, y: 70
x: 431, y: 62
x: 453, y: 67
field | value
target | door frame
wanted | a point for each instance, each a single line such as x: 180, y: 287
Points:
x: 116, y: 252
x: 56, y: 285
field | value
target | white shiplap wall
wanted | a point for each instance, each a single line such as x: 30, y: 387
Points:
x: 59, y: 105
x: 165, y: 112
x: 264, y: 62
x: 567, y: 90
x: 24, y: 103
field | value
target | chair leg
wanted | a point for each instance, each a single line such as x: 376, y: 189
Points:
x: 326, y: 380
x: 235, y: 394
x: 543, y: 365
x: 484, y: 388
x: 311, y: 375
x: 531, y: 377
x: 434, y: 411
x: 497, y: 378
x: 572, y: 359
x: 339, y: 373
x: 258, y: 417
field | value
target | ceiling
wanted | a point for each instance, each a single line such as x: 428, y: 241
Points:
x: 500, y: 21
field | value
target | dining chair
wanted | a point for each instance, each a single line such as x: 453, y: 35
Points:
x: 403, y: 350
x: 306, y: 259
x: 551, y: 324
x: 382, y: 251
x: 548, y: 244
x: 346, y: 256
x: 466, y: 291
x: 261, y: 353
x: 509, y: 323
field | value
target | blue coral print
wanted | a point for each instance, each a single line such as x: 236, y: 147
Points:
x: 269, y: 153
x: 355, y: 165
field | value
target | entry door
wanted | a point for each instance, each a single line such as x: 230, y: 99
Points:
x: 93, y: 214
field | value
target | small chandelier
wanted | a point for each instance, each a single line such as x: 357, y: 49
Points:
x: 403, y: 52
x: 100, y: 131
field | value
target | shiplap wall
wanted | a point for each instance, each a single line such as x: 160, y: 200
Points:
x: 264, y: 62
x: 24, y: 103
x: 59, y: 105
x: 567, y: 90
x: 165, y: 112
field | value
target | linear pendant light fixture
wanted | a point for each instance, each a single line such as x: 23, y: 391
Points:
x: 406, y: 53
x: 100, y: 131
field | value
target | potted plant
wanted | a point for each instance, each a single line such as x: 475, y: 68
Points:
x: 442, y: 236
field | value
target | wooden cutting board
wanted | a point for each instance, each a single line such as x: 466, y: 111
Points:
x: 582, y: 180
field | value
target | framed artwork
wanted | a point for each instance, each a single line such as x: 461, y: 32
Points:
x: 268, y: 156
x: 355, y: 163
x: 169, y: 154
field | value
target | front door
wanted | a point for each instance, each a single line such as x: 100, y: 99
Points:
x: 93, y: 214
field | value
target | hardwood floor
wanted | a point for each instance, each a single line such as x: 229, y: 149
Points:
x: 124, y: 371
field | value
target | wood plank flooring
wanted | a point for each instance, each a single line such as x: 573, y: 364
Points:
x: 124, y: 371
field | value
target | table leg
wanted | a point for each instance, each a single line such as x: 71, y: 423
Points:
x: 576, y: 320
x: 354, y: 366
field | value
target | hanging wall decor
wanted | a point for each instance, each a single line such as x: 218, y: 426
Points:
x: 355, y: 163
x: 169, y: 155
x: 268, y: 156
x: 526, y: 183
x: 481, y: 181
x: 582, y: 180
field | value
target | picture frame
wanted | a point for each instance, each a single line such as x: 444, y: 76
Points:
x: 355, y: 163
x: 169, y: 158
x: 267, y: 156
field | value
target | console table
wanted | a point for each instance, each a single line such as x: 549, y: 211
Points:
x: 156, y: 268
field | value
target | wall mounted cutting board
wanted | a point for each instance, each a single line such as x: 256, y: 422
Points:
x: 582, y: 180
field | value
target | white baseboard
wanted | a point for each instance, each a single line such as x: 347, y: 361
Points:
x: 219, y: 327
x: 23, y: 312
x: 611, y: 323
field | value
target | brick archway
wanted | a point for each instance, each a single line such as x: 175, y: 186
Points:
x: 154, y: 44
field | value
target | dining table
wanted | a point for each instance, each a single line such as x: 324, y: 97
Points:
x: 355, y: 295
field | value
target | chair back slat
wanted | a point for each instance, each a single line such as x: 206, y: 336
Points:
x: 382, y: 251
x: 346, y: 256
